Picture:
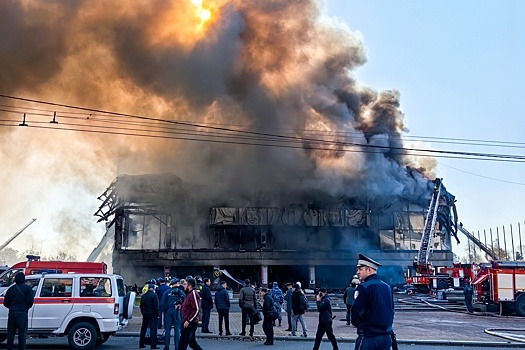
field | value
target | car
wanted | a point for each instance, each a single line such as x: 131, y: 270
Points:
x: 87, y: 308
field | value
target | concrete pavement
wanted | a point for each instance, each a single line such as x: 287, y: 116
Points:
x: 412, y: 327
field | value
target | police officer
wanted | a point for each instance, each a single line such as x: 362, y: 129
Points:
x: 373, y: 309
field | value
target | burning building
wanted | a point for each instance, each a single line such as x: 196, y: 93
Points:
x: 164, y: 225
x: 290, y: 166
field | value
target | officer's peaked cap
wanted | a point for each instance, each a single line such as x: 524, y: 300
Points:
x: 366, y: 261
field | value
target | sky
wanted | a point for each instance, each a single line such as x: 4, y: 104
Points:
x: 460, y: 69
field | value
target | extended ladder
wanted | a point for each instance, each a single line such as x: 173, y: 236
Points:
x: 427, y: 238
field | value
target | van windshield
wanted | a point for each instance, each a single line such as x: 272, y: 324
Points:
x: 8, y: 277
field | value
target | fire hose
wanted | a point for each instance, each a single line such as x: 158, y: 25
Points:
x: 499, y: 332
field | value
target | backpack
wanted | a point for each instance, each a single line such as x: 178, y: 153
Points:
x: 304, y: 303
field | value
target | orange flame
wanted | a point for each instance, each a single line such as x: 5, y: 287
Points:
x: 203, y: 13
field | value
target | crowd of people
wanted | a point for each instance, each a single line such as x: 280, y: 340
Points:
x: 182, y: 303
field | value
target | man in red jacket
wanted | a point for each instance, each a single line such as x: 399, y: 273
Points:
x: 190, y: 317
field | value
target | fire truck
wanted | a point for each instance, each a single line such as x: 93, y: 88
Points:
x: 34, y: 266
x: 500, y: 285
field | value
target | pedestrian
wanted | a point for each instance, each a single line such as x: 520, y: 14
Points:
x: 373, y: 308
x: 299, y: 307
x: 278, y: 299
x: 268, y: 307
x: 348, y: 297
x: 149, y: 307
x: 325, y: 320
x: 248, y: 304
x: 190, y: 316
x: 172, y: 305
x: 18, y: 299
x: 207, y: 305
x: 161, y: 289
x: 468, y: 292
x: 288, y: 299
x: 222, y: 304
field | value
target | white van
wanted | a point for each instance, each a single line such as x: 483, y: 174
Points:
x: 87, y: 308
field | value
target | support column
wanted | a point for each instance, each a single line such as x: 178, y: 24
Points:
x: 264, y: 276
x: 311, y: 284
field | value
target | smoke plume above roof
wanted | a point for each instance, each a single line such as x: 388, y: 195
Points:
x: 276, y: 67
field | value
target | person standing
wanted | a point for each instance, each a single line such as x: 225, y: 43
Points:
x: 207, y: 305
x: 222, y: 304
x: 248, y: 304
x: 373, y: 309
x: 161, y: 289
x: 348, y: 297
x: 172, y: 304
x: 19, y: 298
x: 299, y: 307
x: 288, y: 299
x: 149, y: 307
x: 278, y: 299
x: 268, y: 307
x: 325, y: 320
x: 190, y: 316
x: 468, y: 292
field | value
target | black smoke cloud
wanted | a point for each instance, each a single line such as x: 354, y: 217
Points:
x: 280, y: 67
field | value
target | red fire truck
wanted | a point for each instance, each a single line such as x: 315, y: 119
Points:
x: 34, y: 266
x: 501, y: 285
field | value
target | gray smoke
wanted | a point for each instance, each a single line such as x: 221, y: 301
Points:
x: 280, y: 67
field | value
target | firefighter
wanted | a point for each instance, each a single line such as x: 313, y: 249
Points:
x: 468, y: 292
x: 373, y: 309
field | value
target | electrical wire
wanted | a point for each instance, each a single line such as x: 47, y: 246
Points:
x: 482, y: 176
x: 259, y: 136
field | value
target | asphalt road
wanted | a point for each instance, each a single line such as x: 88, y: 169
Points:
x: 126, y: 343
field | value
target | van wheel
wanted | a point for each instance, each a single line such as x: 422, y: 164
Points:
x: 82, y: 335
x: 3, y: 337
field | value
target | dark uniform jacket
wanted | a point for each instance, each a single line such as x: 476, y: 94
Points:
x: 268, y: 305
x: 149, y: 303
x: 288, y: 299
x: 325, y: 310
x: 19, y: 298
x: 222, y: 299
x: 206, y: 298
x: 373, y: 309
x: 348, y: 296
x: 172, y: 297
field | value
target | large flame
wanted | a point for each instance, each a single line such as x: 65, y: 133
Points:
x: 203, y: 13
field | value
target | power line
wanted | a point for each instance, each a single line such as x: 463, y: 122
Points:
x: 284, y: 138
x: 483, y: 176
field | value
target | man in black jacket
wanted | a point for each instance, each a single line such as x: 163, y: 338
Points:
x: 207, y: 305
x: 325, y: 320
x: 268, y: 306
x: 18, y: 299
x: 222, y: 304
x: 149, y: 307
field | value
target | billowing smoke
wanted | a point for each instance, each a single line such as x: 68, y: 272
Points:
x: 276, y: 67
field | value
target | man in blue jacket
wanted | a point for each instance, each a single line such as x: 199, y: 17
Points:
x: 222, y: 304
x: 172, y: 303
x: 373, y: 309
x: 18, y: 299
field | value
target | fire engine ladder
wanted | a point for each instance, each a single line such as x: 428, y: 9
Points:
x: 428, y: 235
x: 477, y: 242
